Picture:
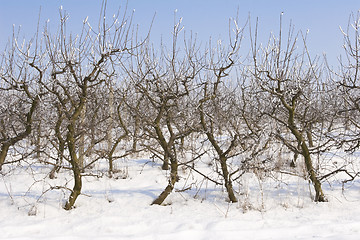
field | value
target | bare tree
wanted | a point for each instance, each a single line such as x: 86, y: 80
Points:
x: 216, y: 105
x: 117, y: 124
x: 20, y: 93
x: 288, y: 77
x: 78, y: 66
x: 163, y: 84
x: 349, y: 83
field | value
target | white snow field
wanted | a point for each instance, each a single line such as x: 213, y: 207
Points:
x: 111, y: 208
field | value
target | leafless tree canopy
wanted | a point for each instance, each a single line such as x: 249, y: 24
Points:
x: 71, y: 101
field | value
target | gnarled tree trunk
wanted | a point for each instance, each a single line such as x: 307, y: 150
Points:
x: 170, y: 187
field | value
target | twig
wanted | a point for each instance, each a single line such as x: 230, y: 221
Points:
x: 217, y: 183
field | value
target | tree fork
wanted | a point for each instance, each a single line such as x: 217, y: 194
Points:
x: 319, y: 197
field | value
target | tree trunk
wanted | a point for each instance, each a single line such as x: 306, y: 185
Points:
x: 59, y: 160
x: 75, y: 168
x: 61, y: 148
x: 28, y: 128
x: 170, y: 187
x: 111, y: 165
x: 82, y: 140
x: 165, y: 165
x: 296, y: 155
x: 310, y: 139
x: 304, y: 150
x: 4, y: 150
x: 38, y: 141
x: 308, y: 162
x: 319, y: 197
x: 55, y: 169
x: 228, y: 183
x: 222, y: 156
x: 109, y: 131
x: 77, y: 186
x: 136, y: 132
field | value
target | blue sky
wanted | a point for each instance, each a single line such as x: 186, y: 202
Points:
x: 205, y: 18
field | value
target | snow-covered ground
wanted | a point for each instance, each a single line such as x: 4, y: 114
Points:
x: 120, y: 208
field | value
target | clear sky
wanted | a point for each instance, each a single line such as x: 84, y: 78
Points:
x: 206, y: 18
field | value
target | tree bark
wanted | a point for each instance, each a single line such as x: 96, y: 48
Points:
x: 28, y: 128
x: 4, y: 150
x: 82, y: 140
x: 222, y: 156
x: 75, y: 168
x: 319, y: 197
x: 170, y: 187
x: 77, y: 187
x: 165, y: 165
x: 227, y: 179
x: 109, y: 134
x: 38, y: 141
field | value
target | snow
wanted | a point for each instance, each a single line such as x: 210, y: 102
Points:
x: 119, y: 208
